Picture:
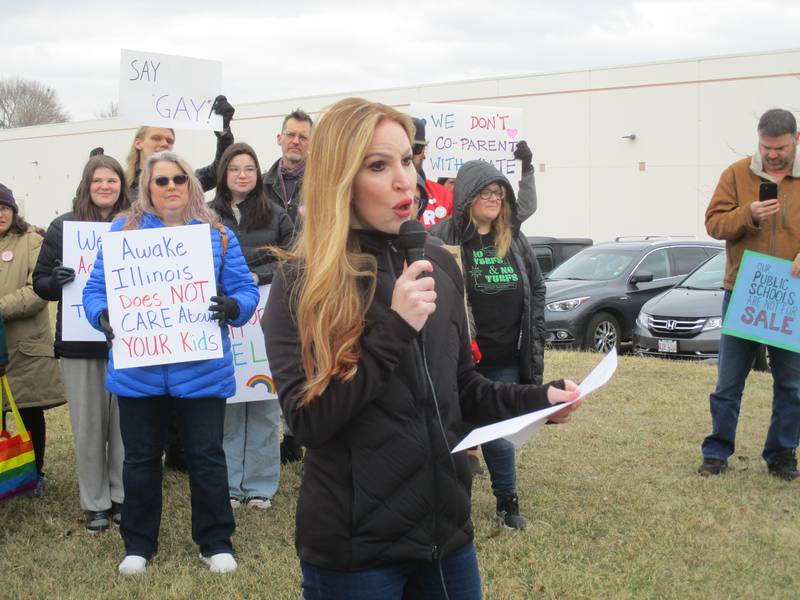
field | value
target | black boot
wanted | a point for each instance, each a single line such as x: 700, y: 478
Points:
x: 508, y: 512
x: 784, y: 465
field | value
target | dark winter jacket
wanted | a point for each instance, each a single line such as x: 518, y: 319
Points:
x: 206, y: 175
x: 379, y: 483
x: 274, y: 190
x: 458, y: 229
x: 45, y: 286
x: 253, y: 240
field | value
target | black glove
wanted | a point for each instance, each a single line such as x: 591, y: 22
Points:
x: 96, y: 151
x: 222, y: 107
x: 63, y: 275
x: 106, y: 327
x: 224, y: 308
x: 524, y: 153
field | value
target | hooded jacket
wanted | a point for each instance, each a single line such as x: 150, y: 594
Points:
x: 728, y: 214
x: 457, y: 229
x: 379, y: 483
x: 213, y: 377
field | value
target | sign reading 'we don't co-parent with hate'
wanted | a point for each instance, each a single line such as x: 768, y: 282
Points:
x: 158, y: 293
x: 765, y: 302
x: 457, y: 133
x: 162, y: 90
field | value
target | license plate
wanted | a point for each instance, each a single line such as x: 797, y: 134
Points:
x: 667, y: 345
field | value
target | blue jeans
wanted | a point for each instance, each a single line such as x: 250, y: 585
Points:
x: 143, y: 424
x: 252, y: 448
x: 735, y: 360
x: 501, y: 455
x: 413, y: 579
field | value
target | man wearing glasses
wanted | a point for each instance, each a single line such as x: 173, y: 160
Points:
x: 284, y: 179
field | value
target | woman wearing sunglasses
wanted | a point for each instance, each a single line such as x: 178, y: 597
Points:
x: 196, y: 391
x: 251, y: 442
x: 93, y: 410
x: 506, y: 292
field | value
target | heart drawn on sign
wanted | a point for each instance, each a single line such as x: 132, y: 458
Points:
x: 512, y: 132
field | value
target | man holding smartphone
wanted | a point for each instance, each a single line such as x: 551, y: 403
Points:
x: 756, y: 206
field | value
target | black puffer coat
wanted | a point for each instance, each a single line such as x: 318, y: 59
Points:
x: 253, y: 239
x: 458, y: 229
x: 379, y: 483
x: 45, y: 286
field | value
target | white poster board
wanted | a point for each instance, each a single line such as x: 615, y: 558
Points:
x: 158, y: 294
x: 163, y: 90
x: 253, y: 376
x: 458, y: 133
x: 82, y: 240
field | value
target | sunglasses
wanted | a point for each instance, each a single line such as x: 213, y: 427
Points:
x: 163, y: 181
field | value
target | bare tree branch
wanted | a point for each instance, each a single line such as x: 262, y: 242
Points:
x: 108, y: 111
x: 24, y: 103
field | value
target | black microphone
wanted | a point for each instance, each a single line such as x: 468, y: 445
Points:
x: 412, y: 240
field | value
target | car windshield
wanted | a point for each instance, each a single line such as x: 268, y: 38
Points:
x: 707, y: 276
x: 595, y: 264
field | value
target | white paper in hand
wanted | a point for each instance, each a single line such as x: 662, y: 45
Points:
x: 520, y: 429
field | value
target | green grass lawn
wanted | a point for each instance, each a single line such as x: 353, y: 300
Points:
x: 615, y: 510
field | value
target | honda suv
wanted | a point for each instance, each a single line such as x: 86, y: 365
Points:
x: 593, y: 298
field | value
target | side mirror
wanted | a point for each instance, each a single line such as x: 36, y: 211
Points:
x: 641, y: 278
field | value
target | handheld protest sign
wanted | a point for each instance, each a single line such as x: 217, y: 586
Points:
x: 248, y: 347
x: 162, y: 90
x: 158, y: 294
x: 764, y: 302
x: 82, y: 240
x: 457, y: 133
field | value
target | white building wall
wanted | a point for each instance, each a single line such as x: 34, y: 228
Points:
x: 691, y: 119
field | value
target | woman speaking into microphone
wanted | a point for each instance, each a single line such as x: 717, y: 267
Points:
x: 384, y: 508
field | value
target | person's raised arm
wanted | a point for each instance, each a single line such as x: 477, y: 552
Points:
x: 208, y: 175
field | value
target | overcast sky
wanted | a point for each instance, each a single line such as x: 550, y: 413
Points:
x: 273, y: 50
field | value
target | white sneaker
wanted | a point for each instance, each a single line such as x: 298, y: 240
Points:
x: 220, y: 563
x: 259, y: 502
x: 132, y: 565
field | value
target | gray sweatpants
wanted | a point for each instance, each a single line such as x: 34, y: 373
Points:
x: 94, y: 416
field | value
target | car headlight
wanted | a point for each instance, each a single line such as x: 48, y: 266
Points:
x: 712, y: 323
x: 565, y: 305
x: 643, y: 319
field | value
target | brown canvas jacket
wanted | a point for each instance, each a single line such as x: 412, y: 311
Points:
x: 728, y: 215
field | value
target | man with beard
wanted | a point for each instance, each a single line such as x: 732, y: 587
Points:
x: 284, y: 179
x: 772, y: 227
x: 437, y: 199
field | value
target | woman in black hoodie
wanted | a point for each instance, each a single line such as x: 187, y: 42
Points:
x: 375, y: 376
x: 506, y: 292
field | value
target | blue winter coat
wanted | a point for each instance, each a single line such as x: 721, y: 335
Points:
x: 196, y: 379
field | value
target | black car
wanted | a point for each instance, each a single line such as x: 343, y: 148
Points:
x: 593, y: 298
x: 551, y: 252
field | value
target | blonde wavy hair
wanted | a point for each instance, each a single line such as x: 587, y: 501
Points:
x: 501, y: 230
x: 195, y: 209
x: 135, y: 155
x: 336, y: 280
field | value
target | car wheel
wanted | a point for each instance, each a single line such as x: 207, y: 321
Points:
x: 602, y: 333
x: 761, y: 361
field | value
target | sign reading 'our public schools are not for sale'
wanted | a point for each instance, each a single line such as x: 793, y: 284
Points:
x: 765, y: 302
x: 162, y: 90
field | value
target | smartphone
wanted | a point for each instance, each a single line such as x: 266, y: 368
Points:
x: 768, y: 190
